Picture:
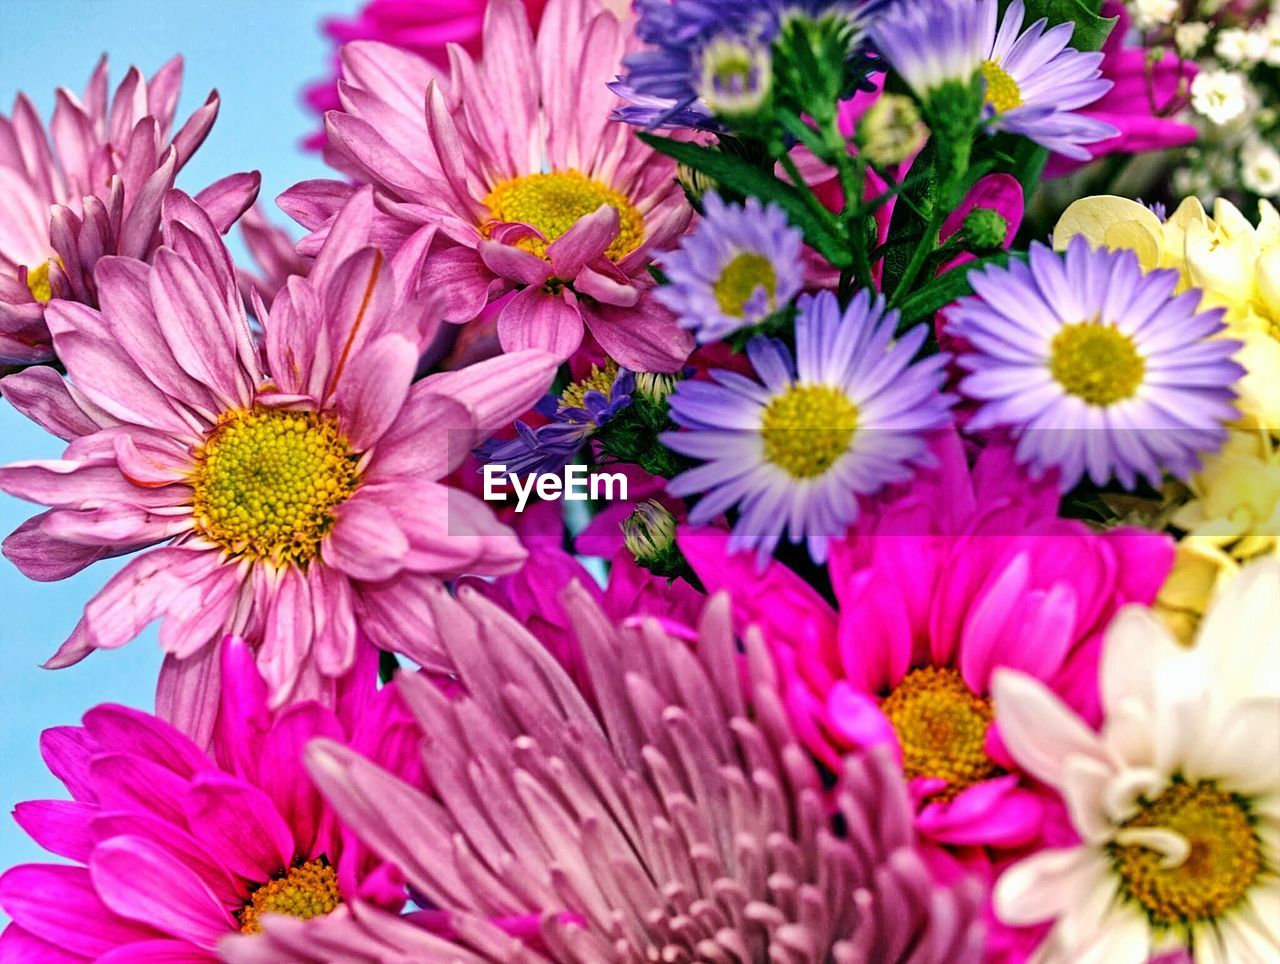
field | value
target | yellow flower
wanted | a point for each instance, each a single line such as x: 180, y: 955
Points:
x: 1235, y: 500
x: 1200, y: 569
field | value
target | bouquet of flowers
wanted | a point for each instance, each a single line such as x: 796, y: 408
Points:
x: 700, y: 490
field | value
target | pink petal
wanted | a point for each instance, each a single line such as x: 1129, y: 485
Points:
x: 140, y: 881
x: 227, y: 198
x: 59, y: 826
x: 62, y: 906
x: 538, y: 319
x: 583, y: 243
x: 240, y: 826
x: 366, y: 542
x: 646, y: 338
x: 497, y: 390
x: 515, y: 264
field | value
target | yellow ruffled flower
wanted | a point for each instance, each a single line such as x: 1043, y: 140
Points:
x: 1200, y: 569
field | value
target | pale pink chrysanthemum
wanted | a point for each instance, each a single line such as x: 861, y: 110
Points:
x: 679, y: 822
x: 90, y: 186
x: 513, y: 161
x: 290, y: 492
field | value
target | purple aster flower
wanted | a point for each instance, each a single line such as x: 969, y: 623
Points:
x: 1034, y: 81
x: 1095, y: 366
x: 705, y: 57
x: 845, y: 418
x: 575, y: 415
x: 737, y: 267
x: 931, y: 44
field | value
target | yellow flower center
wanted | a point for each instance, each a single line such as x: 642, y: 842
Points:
x: 304, y: 891
x: 38, y: 282
x: 742, y: 277
x: 600, y: 380
x: 266, y: 483
x: 1224, y: 862
x: 807, y: 429
x: 555, y: 202
x: 1002, y: 90
x: 1096, y: 362
x: 942, y: 728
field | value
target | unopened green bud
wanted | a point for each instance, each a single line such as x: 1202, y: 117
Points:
x: 694, y: 182
x: 891, y: 130
x: 655, y: 386
x: 650, y: 536
x: 985, y: 229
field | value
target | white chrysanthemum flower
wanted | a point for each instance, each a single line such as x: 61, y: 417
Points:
x: 1189, y: 37
x: 1237, y: 46
x: 1176, y: 800
x: 1220, y: 95
x: 1153, y: 13
x: 1260, y: 167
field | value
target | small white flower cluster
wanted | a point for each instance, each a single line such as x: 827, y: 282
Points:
x: 1234, y: 95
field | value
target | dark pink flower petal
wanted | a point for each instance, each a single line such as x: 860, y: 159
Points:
x: 139, y: 881
x: 61, y: 905
x: 547, y: 321
x: 240, y: 824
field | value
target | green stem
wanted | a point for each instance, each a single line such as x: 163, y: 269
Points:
x: 810, y: 199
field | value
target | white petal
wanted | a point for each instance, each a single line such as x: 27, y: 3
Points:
x: 1135, y: 642
x: 1241, y: 634
x: 1047, y: 884
x: 1037, y: 728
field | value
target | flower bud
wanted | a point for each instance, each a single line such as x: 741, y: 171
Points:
x: 650, y: 536
x: 985, y: 229
x: 735, y: 76
x: 655, y: 386
x: 891, y: 130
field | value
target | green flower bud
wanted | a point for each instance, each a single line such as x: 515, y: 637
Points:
x: 655, y: 386
x: 891, y: 130
x: 735, y: 77
x: 650, y: 536
x: 985, y: 229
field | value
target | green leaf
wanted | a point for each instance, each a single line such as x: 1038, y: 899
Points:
x: 1091, y: 29
x: 821, y: 230
x: 941, y: 291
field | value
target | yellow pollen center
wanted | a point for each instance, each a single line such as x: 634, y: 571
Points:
x: 600, y: 380
x: 555, y: 202
x: 742, y: 277
x: 1002, y: 90
x: 1096, y: 362
x: 807, y: 429
x: 304, y: 891
x: 1224, y: 862
x: 942, y: 728
x: 38, y: 282
x: 266, y: 483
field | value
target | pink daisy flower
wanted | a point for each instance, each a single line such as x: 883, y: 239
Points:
x: 91, y: 186
x: 952, y: 577
x: 172, y: 849
x: 290, y: 494
x: 423, y: 27
x: 533, y: 189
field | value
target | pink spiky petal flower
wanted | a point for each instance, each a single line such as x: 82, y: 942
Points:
x: 530, y: 188
x: 679, y: 822
x: 90, y: 186
x: 286, y: 494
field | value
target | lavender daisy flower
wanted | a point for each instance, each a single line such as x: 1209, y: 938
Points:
x: 936, y: 43
x: 582, y: 408
x: 734, y: 270
x: 710, y: 57
x: 848, y: 416
x: 1095, y: 366
x: 1033, y: 80
x: 681, y: 821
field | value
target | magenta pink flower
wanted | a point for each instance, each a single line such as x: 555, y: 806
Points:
x: 91, y: 186
x: 422, y: 27
x: 290, y: 492
x: 958, y: 573
x: 172, y: 849
x: 528, y: 185
x: 1142, y: 103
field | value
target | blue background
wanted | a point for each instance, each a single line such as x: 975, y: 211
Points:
x: 258, y: 54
